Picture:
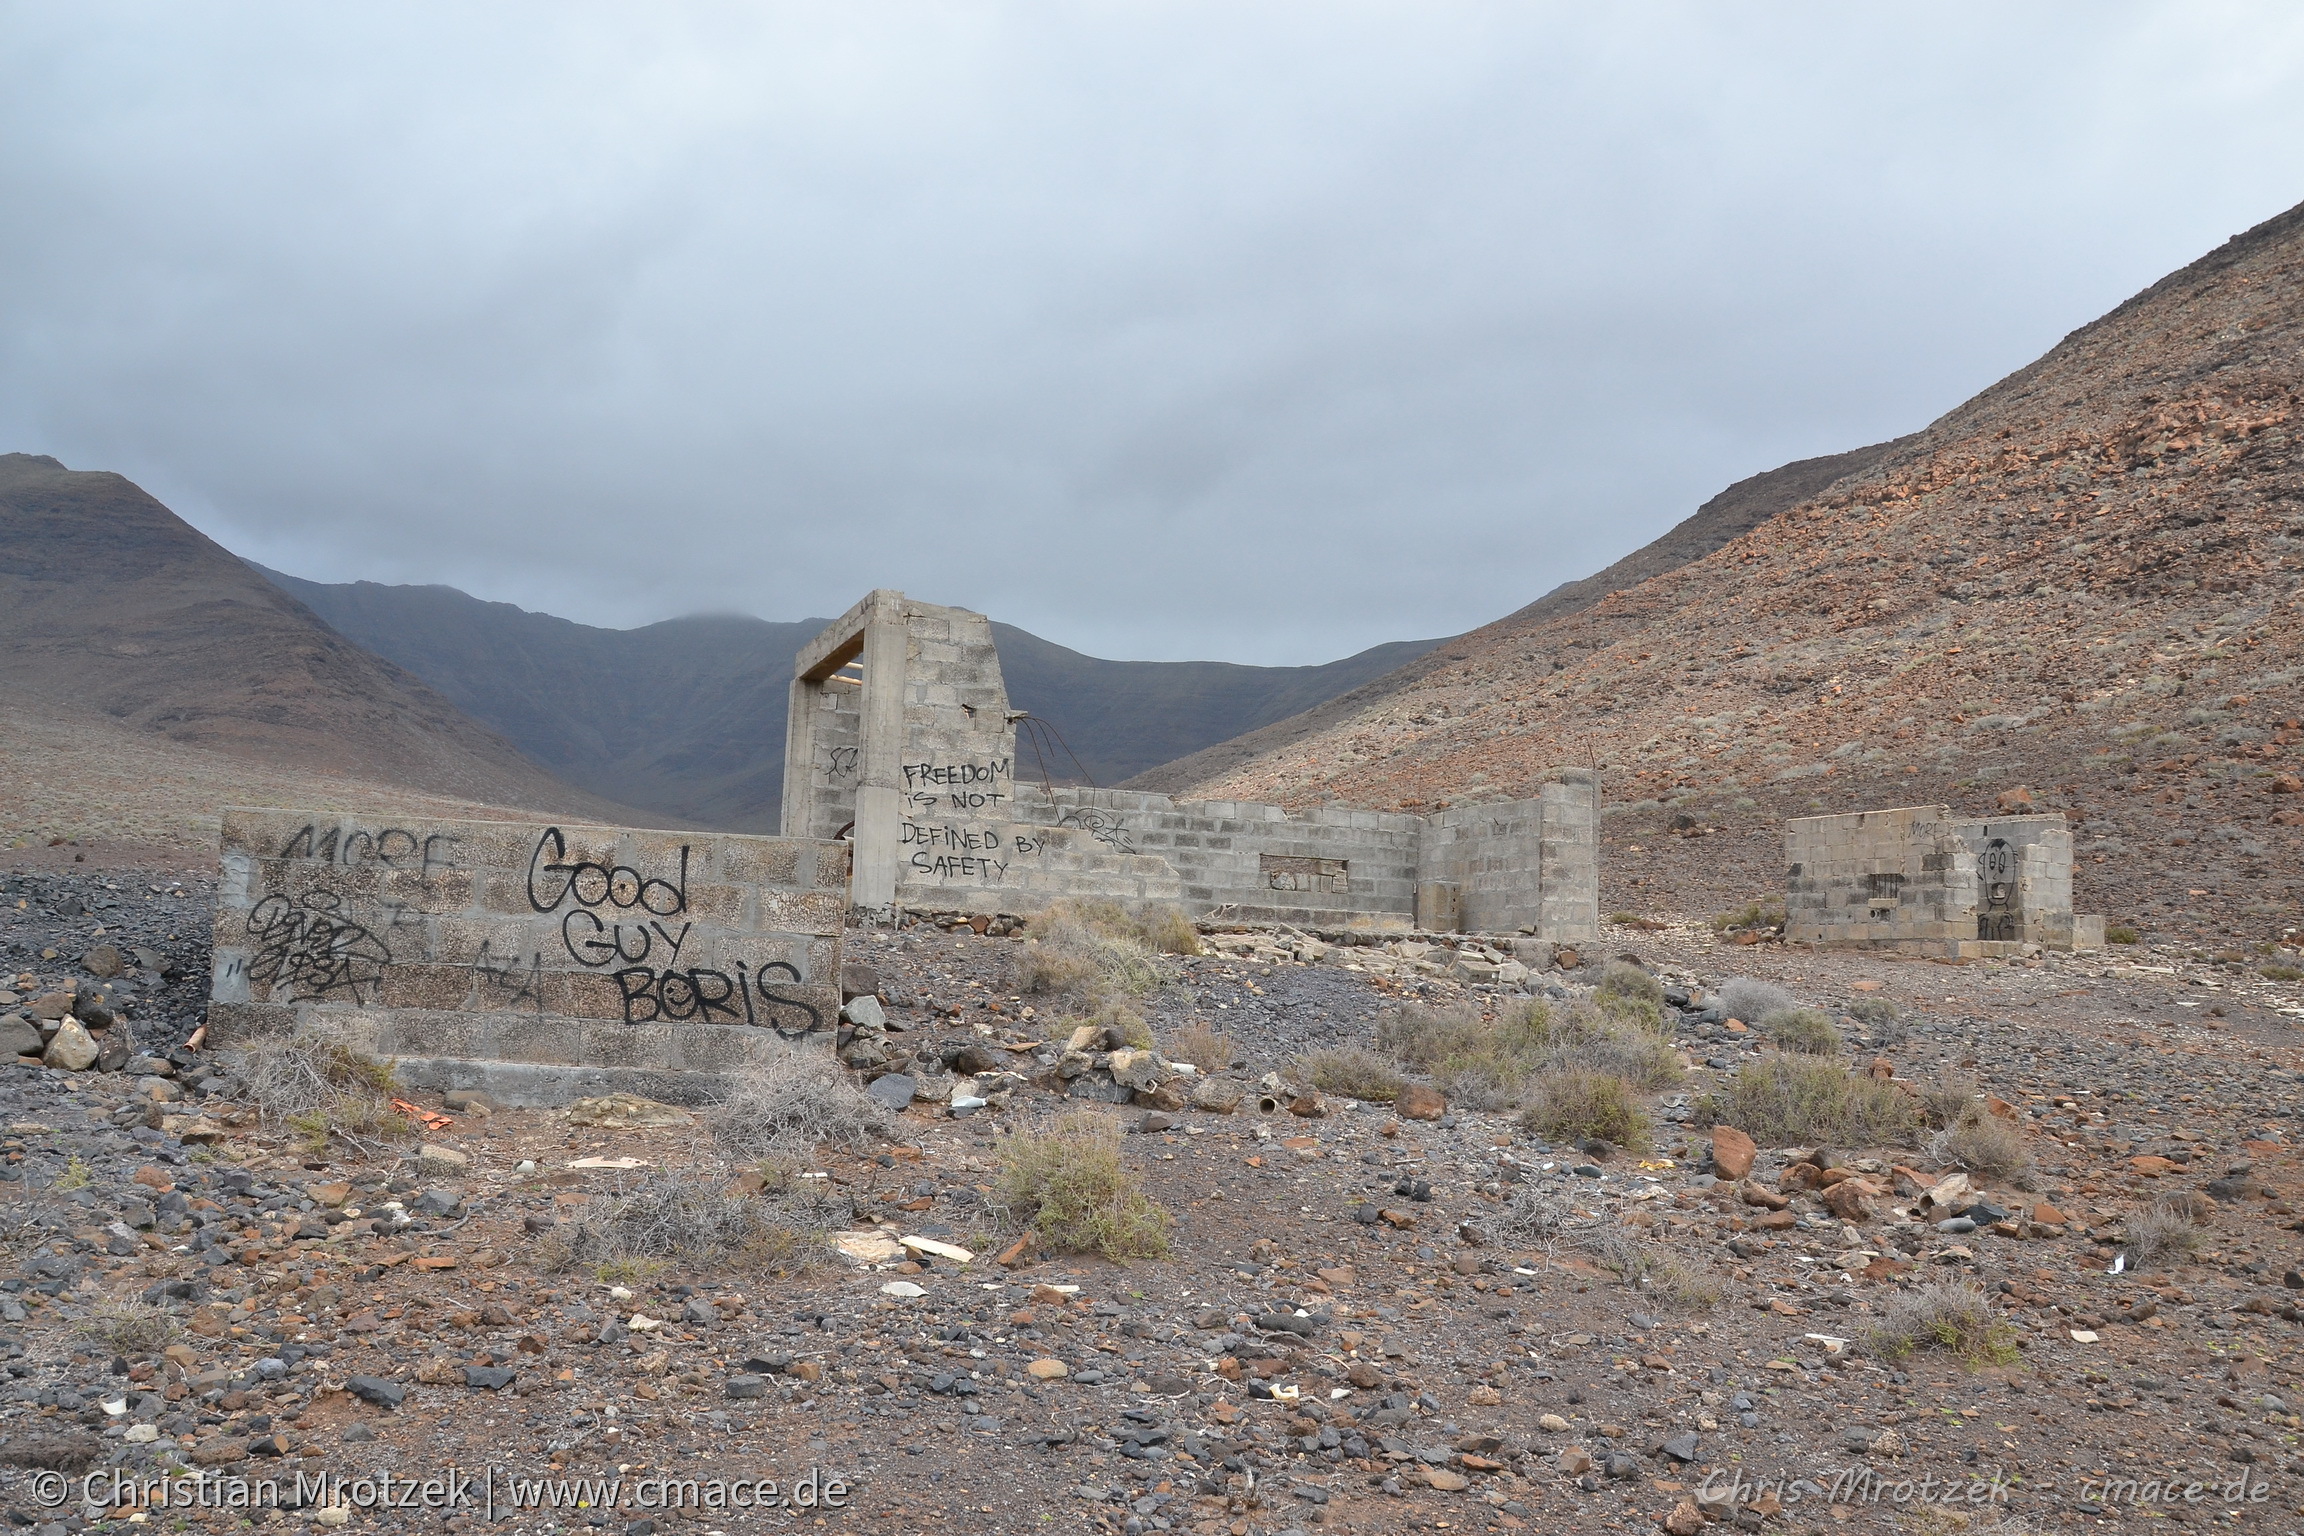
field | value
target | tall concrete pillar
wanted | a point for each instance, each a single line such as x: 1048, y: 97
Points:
x: 799, y: 798
x: 880, y: 775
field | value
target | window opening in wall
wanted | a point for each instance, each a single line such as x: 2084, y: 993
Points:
x: 1287, y: 872
x: 1884, y: 890
x: 1998, y: 916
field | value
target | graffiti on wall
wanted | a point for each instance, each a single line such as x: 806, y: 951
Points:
x: 620, y: 916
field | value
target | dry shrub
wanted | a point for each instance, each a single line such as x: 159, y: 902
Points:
x: 1070, y: 1185
x: 1639, y: 1012
x: 678, y: 1220
x: 319, y: 1086
x: 791, y: 1104
x: 1207, y: 1048
x: 1949, y: 1096
x: 1474, y: 1061
x: 1980, y: 1142
x: 1578, y: 1037
x: 1577, y: 1103
x: 1626, y: 980
x: 2165, y: 1233
x: 1883, y: 1021
x: 1948, y: 1315
x: 1166, y: 930
x: 1531, y: 1216
x: 1490, y: 1064
x: 1354, y: 1071
x: 1685, y: 1283
x: 1807, y: 1030
x: 1784, y: 1099
x: 1689, y: 1284
x: 125, y: 1327
x: 1091, y: 950
x: 1743, y: 997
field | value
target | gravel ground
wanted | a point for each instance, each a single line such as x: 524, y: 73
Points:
x: 1349, y: 1334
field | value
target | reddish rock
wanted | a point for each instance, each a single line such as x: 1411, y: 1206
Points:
x: 1732, y: 1153
x: 1419, y: 1102
x: 1851, y: 1199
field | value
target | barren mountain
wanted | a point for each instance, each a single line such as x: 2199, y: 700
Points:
x: 2077, y: 589
x: 112, y: 606
x: 686, y: 717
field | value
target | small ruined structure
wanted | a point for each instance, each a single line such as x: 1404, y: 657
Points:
x: 538, y: 963
x: 902, y: 739
x: 1916, y: 880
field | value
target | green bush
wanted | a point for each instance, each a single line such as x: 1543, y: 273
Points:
x: 1070, y: 1184
x: 2122, y: 935
x: 1807, y: 1030
x: 1784, y: 1099
x: 1576, y: 1103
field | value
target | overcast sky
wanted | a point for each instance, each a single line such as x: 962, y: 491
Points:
x: 1255, y: 332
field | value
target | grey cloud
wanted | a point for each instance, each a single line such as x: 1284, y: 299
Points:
x: 1256, y: 332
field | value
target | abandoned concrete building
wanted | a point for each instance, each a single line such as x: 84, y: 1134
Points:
x: 1916, y: 880
x: 901, y: 738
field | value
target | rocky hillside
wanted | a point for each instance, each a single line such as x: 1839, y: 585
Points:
x: 2076, y: 590
x: 114, y: 609
x: 686, y: 717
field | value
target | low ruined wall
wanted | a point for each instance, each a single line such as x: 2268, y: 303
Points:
x: 536, y: 961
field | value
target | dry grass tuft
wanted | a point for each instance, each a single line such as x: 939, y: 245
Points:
x: 792, y: 1104
x: 1626, y: 980
x: 315, y: 1084
x: 1577, y: 1103
x: 1208, y: 1049
x: 1782, y: 1099
x: 1980, y: 1142
x: 1948, y: 1315
x: 126, y: 1328
x: 2166, y: 1233
x: 679, y: 1221
x: 1094, y: 951
x: 1949, y: 1096
x: 1069, y: 1184
x: 1806, y: 1030
x: 1353, y: 1071
x: 1530, y: 1217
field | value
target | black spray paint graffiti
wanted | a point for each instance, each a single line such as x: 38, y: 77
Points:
x: 958, y: 786
x: 309, y: 949
x: 651, y: 994
x: 961, y: 853
x: 842, y: 763
x: 601, y: 885
x: 392, y: 847
x: 1100, y: 824
x: 652, y: 997
x: 509, y: 985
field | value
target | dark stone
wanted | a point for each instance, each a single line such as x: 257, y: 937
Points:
x: 1681, y: 1447
x: 893, y: 1091
x: 375, y: 1389
x: 492, y: 1378
x: 747, y: 1386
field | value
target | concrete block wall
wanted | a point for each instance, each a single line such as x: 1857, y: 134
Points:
x: 837, y: 750
x: 1913, y: 878
x: 539, y: 962
x: 1524, y: 863
x: 1243, y: 861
